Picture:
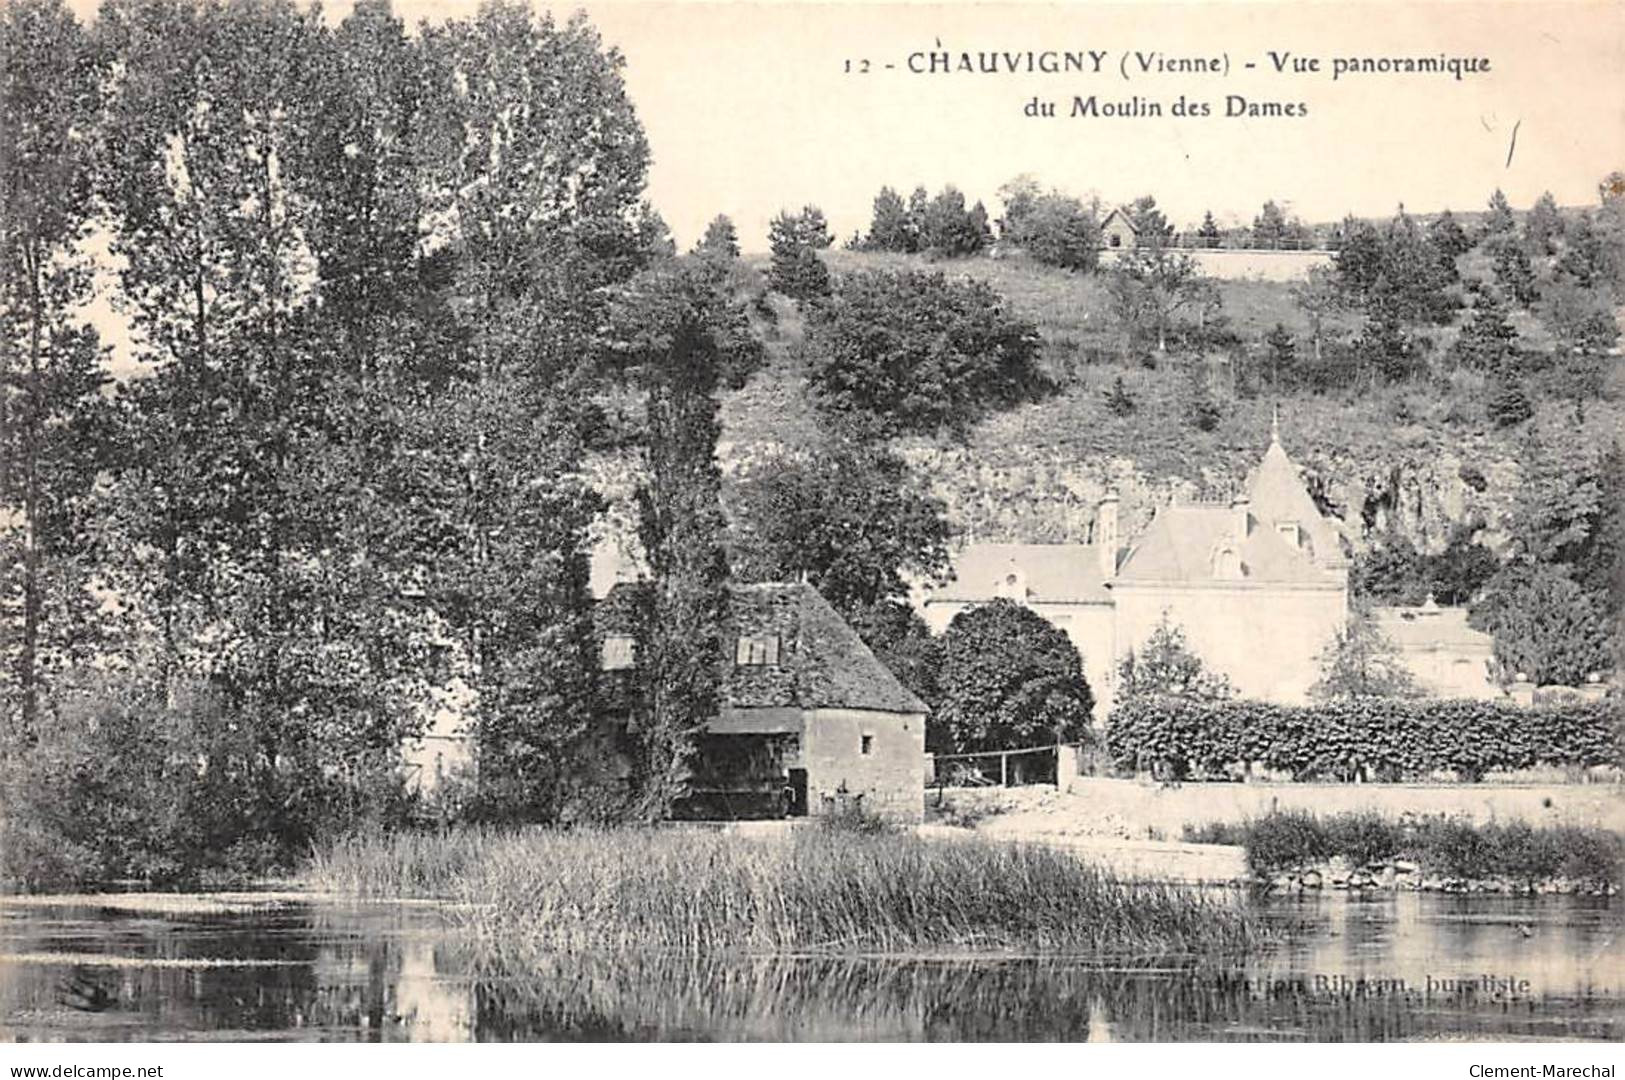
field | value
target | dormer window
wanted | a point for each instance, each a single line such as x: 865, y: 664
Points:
x: 619, y: 653
x: 1290, y: 532
x: 757, y: 650
x: 1227, y: 563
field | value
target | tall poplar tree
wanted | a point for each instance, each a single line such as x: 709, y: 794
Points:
x: 49, y: 363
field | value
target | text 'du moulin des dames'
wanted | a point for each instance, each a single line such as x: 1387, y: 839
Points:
x: 1148, y: 84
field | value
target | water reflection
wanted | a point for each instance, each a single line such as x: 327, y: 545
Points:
x: 1397, y: 967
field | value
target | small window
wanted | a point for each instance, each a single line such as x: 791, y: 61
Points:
x: 619, y: 653
x: 866, y: 744
x: 757, y: 650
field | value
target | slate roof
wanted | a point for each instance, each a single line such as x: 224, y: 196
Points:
x: 1181, y: 542
x: 1055, y: 573
x: 822, y: 663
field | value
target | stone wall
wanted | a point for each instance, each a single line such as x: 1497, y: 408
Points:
x: 888, y: 776
x: 1144, y: 808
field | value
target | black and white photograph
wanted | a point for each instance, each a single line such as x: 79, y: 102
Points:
x: 665, y: 521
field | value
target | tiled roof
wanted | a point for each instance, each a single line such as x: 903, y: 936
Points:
x: 1053, y: 573
x: 822, y: 663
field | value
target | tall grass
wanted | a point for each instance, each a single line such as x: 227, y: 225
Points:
x: 817, y: 890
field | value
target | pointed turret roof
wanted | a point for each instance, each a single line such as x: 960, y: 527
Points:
x: 1278, y: 496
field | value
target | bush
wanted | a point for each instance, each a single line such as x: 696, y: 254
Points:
x: 1516, y: 852
x: 124, y: 786
x: 1398, y: 737
x: 916, y: 352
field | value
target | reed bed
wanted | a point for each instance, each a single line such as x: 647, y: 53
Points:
x: 815, y: 890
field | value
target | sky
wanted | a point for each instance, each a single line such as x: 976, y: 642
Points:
x: 749, y: 108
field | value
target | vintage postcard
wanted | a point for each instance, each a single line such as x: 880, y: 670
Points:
x: 803, y: 522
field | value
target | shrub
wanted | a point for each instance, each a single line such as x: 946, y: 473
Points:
x: 1399, y: 737
x: 1286, y: 841
x: 916, y: 352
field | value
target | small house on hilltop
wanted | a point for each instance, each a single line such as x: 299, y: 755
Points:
x: 1119, y: 230
x: 809, y: 718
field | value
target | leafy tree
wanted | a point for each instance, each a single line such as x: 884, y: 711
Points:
x: 1165, y: 666
x: 1008, y: 679
x: 1389, y: 571
x: 1019, y: 196
x: 948, y: 228
x: 1361, y: 661
x: 1208, y: 232
x: 1150, y: 286
x: 1269, y: 227
x: 721, y: 239
x: 1585, y: 330
x: 49, y: 365
x: 848, y: 517
x: 889, y: 226
x: 1546, y: 625
x: 1054, y: 229
x: 1543, y: 226
x: 867, y: 358
x: 681, y: 339
x: 1119, y: 402
x: 1318, y: 297
x: 1459, y: 573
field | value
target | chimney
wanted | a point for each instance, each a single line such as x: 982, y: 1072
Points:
x: 1240, y: 508
x: 1106, y: 535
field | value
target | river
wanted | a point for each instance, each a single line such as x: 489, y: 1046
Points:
x: 1352, y: 967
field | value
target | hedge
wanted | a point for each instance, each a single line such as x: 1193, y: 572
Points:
x: 1393, y: 738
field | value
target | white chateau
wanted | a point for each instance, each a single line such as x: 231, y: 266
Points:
x: 1258, y: 583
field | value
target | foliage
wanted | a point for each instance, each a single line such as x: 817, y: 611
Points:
x: 1449, y: 848
x: 943, y: 225
x: 1394, y: 738
x: 1543, y: 227
x: 1150, y: 287
x: 49, y: 364
x: 1119, y: 402
x: 1488, y: 341
x: 1165, y: 666
x: 721, y: 239
x: 1208, y: 231
x: 868, y: 360
x: 1360, y: 661
x: 680, y: 338
x: 1509, y: 403
x: 1007, y: 679
x: 1546, y: 625
x: 124, y: 786
x: 1514, y: 274
x: 795, y: 240
x: 1395, y: 272
x: 1053, y: 228
x: 848, y: 516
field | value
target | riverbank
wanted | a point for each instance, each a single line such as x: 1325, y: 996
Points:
x: 796, y: 890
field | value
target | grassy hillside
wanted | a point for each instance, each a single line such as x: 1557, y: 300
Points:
x: 1421, y: 456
